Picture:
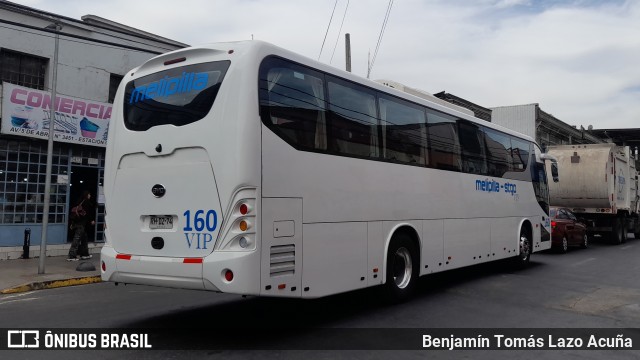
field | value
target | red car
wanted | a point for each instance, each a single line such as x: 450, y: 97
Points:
x: 567, y: 230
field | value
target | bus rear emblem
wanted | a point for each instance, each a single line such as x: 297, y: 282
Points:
x: 158, y: 190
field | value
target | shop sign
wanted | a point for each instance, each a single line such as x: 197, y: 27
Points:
x: 26, y: 112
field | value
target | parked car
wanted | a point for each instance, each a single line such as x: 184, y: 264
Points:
x: 567, y: 230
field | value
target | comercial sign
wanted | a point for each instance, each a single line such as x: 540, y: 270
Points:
x: 26, y: 112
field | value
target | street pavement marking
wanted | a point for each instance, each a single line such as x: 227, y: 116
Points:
x: 626, y: 247
x: 583, y: 262
x: 16, y: 300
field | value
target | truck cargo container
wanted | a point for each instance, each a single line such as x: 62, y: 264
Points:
x: 599, y: 183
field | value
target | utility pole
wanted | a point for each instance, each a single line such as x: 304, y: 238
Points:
x: 52, y: 120
x: 347, y: 44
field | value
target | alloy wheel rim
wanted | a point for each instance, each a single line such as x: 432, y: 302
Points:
x: 524, y: 247
x: 403, y: 268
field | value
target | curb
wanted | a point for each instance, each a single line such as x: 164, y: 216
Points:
x: 52, y: 284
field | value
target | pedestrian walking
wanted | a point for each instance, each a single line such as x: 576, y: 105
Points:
x: 81, y: 216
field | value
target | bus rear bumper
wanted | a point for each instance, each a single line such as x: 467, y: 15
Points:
x: 206, y: 273
x: 150, y: 270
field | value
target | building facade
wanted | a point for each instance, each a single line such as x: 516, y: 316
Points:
x: 93, y: 56
x: 530, y: 120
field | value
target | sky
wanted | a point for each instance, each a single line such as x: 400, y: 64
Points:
x: 578, y: 59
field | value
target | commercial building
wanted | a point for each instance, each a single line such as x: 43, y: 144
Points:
x: 93, y: 54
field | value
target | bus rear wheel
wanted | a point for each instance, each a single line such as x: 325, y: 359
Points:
x: 523, y: 258
x: 402, y: 268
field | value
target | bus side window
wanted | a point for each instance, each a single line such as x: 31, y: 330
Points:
x: 498, y: 152
x: 353, y: 127
x: 404, y: 136
x: 520, y: 153
x: 444, y: 148
x: 295, y: 106
x: 474, y: 160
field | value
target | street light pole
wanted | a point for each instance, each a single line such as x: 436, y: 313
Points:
x: 52, y: 119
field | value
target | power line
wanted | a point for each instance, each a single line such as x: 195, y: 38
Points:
x: 339, y: 31
x: 325, y: 35
x: 384, y: 26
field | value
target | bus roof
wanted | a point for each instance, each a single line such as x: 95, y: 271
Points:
x: 265, y: 49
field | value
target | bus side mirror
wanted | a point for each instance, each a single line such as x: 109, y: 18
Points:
x: 554, y: 166
x: 554, y: 172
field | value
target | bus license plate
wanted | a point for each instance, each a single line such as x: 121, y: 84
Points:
x: 161, y: 222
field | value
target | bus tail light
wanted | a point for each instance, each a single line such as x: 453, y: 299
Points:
x: 243, y: 225
x: 239, y: 232
x: 228, y: 275
x: 244, y: 242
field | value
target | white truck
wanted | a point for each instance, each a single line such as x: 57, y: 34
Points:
x: 599, y: 183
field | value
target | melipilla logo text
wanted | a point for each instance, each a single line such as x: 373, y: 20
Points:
x: 168, y: 86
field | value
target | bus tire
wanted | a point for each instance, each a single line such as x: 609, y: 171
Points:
x: 524, y: 242
x: 403, y: 266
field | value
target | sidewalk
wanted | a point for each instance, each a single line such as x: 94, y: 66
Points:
x: 19, y: 275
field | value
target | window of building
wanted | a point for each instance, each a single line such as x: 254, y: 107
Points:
x: 114, y: 82
x: 22, y: 182
x: 22, y: 69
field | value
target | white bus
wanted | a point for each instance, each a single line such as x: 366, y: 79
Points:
x: 244, y: 168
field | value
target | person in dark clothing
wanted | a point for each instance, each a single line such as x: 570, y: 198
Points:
x: 81, y: 216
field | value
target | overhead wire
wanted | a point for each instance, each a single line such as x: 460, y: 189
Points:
x: 328, y: 26
x: 384, y: 26
x: 339, y: 31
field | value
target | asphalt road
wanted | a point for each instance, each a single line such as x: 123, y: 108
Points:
x: 598, y: 287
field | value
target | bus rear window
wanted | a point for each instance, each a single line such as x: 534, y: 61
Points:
x: 177, y: 96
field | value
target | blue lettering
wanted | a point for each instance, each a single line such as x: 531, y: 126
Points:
x: 167, y: 86
x: 207, y: 238
x: 137, y: 94
x: 494, y: 186
x: 189, y: 241
x: 201, y: 81
x: 151, y: 91
x: 172, y: 87
x: 201, y: 220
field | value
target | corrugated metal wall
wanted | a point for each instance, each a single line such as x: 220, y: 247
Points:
x: 521, y: 118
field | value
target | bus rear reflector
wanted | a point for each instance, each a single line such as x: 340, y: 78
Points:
x: 192, y: 261
x: 228, y: 275
x: 123, y: 257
